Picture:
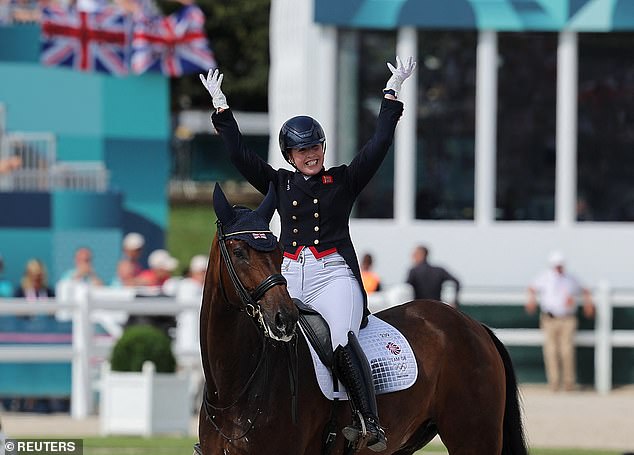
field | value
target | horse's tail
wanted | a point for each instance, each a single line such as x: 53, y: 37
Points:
x: 514, y: 441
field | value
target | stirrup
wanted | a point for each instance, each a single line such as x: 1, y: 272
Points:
x: 378, y: 441
x: 374, y: 440
x: 353, y: 433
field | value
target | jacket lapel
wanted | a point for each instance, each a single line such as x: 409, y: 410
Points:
x: 300, y: 182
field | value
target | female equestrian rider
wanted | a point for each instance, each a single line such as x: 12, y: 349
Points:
x: 314, y: 204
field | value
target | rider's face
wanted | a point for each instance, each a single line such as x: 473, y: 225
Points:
x: 308, y: 160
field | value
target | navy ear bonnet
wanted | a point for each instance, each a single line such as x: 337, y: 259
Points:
x: 242, y: 223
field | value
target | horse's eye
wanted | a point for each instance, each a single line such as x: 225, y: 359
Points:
x: 239, y: 253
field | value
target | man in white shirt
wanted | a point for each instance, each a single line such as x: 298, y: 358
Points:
x: 557, y: 290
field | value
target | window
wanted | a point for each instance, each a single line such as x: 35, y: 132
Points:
x: 605, y: 143
x: 527, y: 85
x: 362, y: 75
x: 446, y: 125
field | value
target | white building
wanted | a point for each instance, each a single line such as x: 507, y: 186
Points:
x: 517, y: 127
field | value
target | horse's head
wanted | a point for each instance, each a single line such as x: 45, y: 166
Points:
x: 250, y: 265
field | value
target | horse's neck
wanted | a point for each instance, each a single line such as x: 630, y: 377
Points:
x: 235, y: 352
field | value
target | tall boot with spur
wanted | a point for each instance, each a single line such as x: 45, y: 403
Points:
x: 353, y: 370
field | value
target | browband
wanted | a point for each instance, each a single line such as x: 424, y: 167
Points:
x: 246, y: 232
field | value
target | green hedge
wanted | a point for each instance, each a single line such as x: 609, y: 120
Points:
x: 140, y: 343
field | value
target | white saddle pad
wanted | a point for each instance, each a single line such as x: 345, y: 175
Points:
x: 389, y: 353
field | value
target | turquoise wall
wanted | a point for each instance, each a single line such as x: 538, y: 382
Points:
x: 123, y: 122
x: 503, y: 15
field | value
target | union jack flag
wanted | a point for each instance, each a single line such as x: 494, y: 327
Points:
x: 174, y: 45
x: 258, y: 235
x: 86, y: 41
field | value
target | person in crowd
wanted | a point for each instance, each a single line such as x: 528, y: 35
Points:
x: 314, y: 205
x: 554, y: 291
x: 427, y: 279
x: 371, y: 280
x: 8, y: 165
x: 3, y: 436
x: 190, y: 289
x: 162, y: 264
x: 132, y: 245
x: 190, y: 285
x: 34, y: 283
x: 6, y: 288
x: 83, y: 271
x: 126, y: 274
x: 187, y: 334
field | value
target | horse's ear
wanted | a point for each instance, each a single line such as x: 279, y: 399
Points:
x: 267, y: 207
x: 224, y: 211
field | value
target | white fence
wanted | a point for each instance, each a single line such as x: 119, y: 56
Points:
x: 109, y: 306
x: 603, y: 338
x: 40, y: 170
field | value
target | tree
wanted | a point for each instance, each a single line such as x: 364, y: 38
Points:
x: 239, y: 36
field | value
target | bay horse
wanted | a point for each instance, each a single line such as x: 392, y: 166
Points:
x: 465, y: 391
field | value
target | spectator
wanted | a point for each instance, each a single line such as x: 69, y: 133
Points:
x: 5, y: 19
x: 190, y: 289
x: 7, y: 168
x: 187, y: 339
x: 126, y: 274
x: 3, y: 436
x: 83, y: 270
x: 556, y: 291
x: 133, y: 244
x: 162, y: 264
x: 6, y: 288
x: 8, y: 165
x: 371, y: 281
x: 34, y: 284
x: 427, y: 280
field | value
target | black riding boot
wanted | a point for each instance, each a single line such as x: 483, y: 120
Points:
x: 353, y: 370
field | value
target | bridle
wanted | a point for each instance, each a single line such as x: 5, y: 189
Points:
x: 250, y: 300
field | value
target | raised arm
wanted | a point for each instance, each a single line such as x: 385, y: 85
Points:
x: 257, y: 171
x: 367, y: 162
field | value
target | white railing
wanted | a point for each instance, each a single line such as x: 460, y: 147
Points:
x: 86, y: 306
x: 80, y: 175
x: 36, y: 150
x: 603, y: 338
x: 40, y: 170
x: 105, y: 304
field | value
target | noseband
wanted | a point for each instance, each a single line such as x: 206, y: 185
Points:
x: 250, y: 300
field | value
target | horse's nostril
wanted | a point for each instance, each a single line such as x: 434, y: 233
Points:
x: 284, y: 322
x: 279, y: 320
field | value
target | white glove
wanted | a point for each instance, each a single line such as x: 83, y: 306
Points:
x: 399, y: 74
x: 212, y: 84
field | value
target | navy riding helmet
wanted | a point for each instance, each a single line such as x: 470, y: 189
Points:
x: 299, y: 132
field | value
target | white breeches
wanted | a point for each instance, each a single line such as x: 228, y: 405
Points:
x: 329, y: 286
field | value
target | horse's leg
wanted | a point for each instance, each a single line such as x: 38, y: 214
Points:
x: 419, y: 439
